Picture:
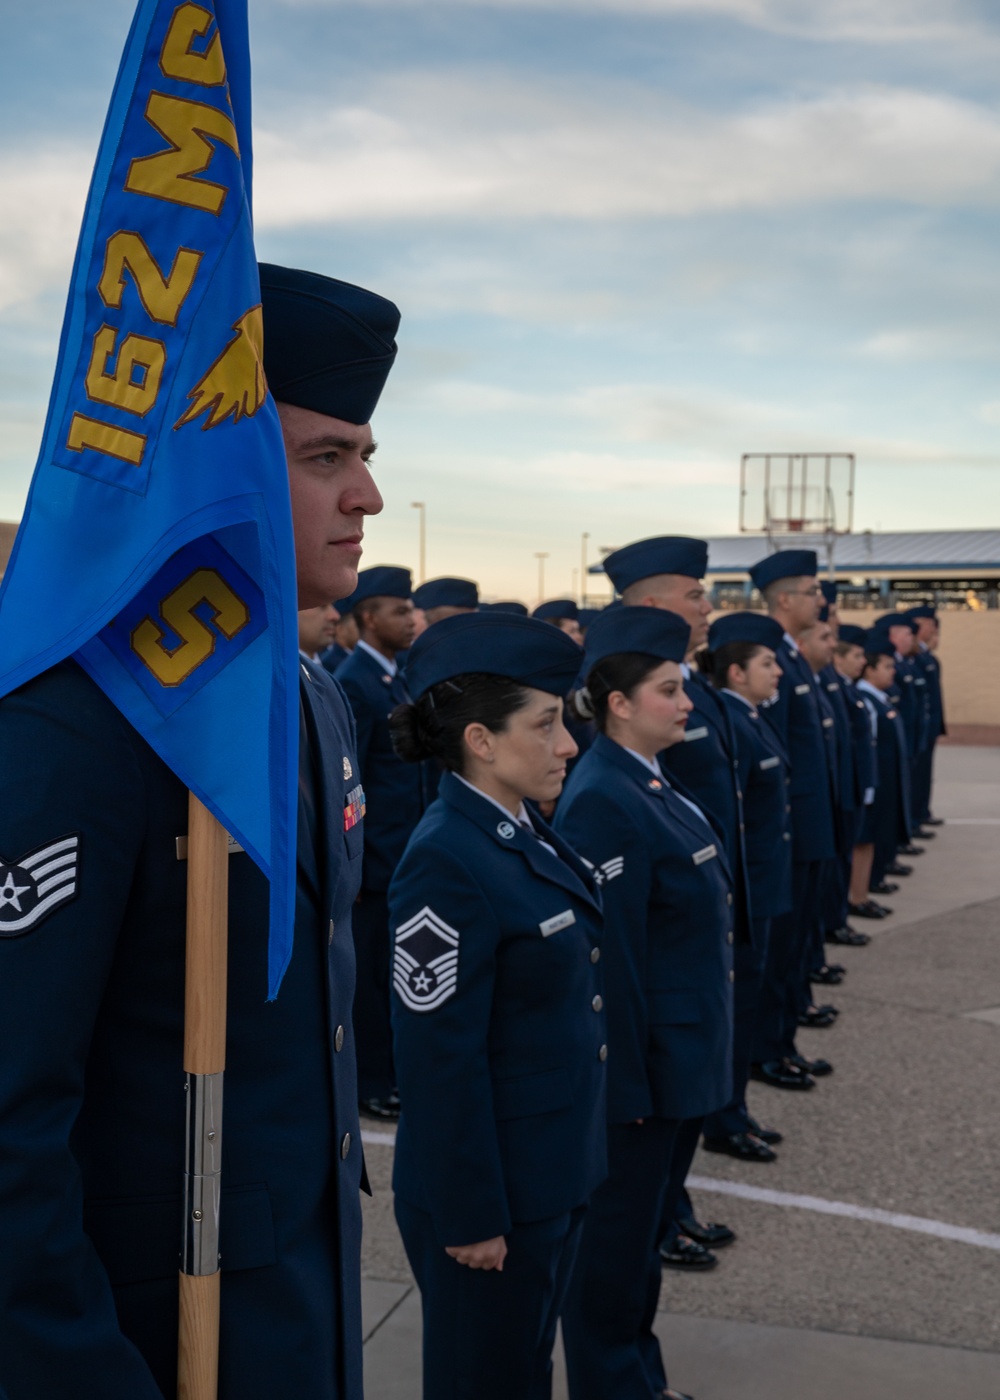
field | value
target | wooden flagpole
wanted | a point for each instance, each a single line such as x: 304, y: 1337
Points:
x: 204, y: 1062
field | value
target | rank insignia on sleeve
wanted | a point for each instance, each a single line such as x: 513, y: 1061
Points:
x: 354, y: 807
x: 36, y: 883
x: 425, y: 965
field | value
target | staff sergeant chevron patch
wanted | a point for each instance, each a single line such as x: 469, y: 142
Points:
x: 36, y: 883
x: 425, y: 966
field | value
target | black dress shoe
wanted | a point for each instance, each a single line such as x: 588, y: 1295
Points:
x: 911, y: 850
x: 847, y: 937
x: 670, y: 1394
x: 932, y: 821
x: 712, y: 1235
x: 826, y: 976
x: 781, y: 1075
x: 869, y: 910
x: 817, y: 1068
x: 769, y: 1135
x: 817, y: 1019
x: 826, y: 1008
x: 923, y: 835
x: 897, y: 868
x: 743, y: 1146
x: 687, y: 1254
x: 884, y: 887
x: 386, y: 1110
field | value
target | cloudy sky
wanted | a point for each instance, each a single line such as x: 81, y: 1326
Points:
x: 630, y: 239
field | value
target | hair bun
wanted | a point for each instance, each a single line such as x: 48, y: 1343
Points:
x: 409, y: 734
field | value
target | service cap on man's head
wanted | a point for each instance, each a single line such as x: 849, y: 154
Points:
x: 557, y: 608
x: 877, y: 643
x: 328, y: 345
x: 446, y: 593
x: 756, y: 628
x: 649, y: 631
x: 508, y: 606
x: 787, y: 563
x: 666, y: 554
x: 587, y: 616
x: 382, y: 581
x: 522, y: 649
x: 853, y: 636
x: 926, y: 610
x: 895, y: 619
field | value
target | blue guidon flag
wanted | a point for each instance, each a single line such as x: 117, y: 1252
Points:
x: 156, y: 546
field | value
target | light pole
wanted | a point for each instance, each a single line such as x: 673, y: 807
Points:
x: 541, y: 575
x: 421, y: 506
x: 583, y: 568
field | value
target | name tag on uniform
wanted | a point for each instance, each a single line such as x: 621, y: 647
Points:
x: 827, y: 722
x: 832, y: 685
x: 706, y: 853
x: 691, y: 734
x: 908, y: 680
x: 557, y: 922
x: 803, y: 689
x: 920, y: 681
x: 769, y: 763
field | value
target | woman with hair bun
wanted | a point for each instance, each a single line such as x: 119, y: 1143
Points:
x: 668, y: 964
x: 497, y: 1009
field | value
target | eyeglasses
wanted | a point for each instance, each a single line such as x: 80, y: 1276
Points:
x: 808, y: 592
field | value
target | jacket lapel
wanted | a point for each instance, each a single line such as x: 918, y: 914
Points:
x: 564, y: 869
x: 328, y: 786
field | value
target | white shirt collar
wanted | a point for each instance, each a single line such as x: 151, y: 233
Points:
x: 874, y: 690
x: 522, y: 812
x: 793, y: 644
x: 307, y: 657
x: 389, y: 666
x: 685, y: 672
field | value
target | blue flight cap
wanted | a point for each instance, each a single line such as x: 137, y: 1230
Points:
x: 515, y: 609
x: 829, y: 587
x: 895, y: 619
x: 556, y: 608
x: 446, y: 593
x: 923, y: 610
x: 382, y: 581
x: 497, y: 644
x: 853, y: 636
x: 754, y: 627
x: 877, y: 643
x: 666, y: 554
x: 649, y: 631
x: 328, y: 345
x: 787, y: 563
x: 587, y: 616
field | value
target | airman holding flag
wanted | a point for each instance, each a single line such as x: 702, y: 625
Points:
x: 148, y: 636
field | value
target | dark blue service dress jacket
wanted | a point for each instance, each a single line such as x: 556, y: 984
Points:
x: 887, y: 822
x: 798, y: 720
x: 498, y: 1021
x: 707, y: 765
x: 91, y: 1084
x: 668, y: 901
x: 930, y: 667
x: 766, y: 808
x: 863, y: 744
x: 334, y: 657
x: 394, y: 790
x: 832, y: 687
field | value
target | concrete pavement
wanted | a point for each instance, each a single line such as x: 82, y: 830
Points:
x: 805, y: 1305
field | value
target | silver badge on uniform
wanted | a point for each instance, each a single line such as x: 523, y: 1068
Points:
x: 557, y: 922
x: 348, y: 770
x: 425, y: 964
x: 691, y: 734
x: 706, y: 853
x: 802, y: 689
x: 36, y: 883
x: 505, y: 829
x: 769, y: 763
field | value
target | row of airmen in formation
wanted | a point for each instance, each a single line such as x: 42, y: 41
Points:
x: 736, y: 792
x: 582, y: 974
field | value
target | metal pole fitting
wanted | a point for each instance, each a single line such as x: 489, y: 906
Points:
x: 202, y: 1174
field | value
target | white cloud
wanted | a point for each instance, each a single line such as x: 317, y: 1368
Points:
x: 870, y: 21
x: 436, y: 147
x: 42, y: 196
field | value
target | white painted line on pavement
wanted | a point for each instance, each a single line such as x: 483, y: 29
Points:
x: 380, y: 1139
x: 917, y: 1223
x: 973, y: 821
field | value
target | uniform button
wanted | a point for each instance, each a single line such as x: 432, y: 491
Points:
x: 345, y: 1146
x: 787, y: 808
x: 732, y: 975
x: 786, y: 835
x: 739, y: 795
x: 598, y: 1003
x: 331, y: 931
x: 595, y: 955
x: 742, y: 827
x: 729, y: 899
x: 729, y: 937
x: 602, y: 1054
x: 338, y: 1038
